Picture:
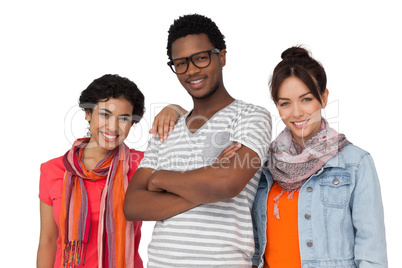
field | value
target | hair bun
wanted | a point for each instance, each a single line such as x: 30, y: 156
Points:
x: 295, y: 52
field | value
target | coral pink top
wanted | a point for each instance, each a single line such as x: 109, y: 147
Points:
x: 50, y: 189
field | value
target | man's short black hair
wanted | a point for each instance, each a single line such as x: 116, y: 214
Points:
x: 195, y: 24
x: 113, y: 86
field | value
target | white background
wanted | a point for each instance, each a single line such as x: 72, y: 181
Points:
x: 51, y: 50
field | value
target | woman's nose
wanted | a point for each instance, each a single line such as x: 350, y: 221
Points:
x: 113, y: 123
x: 297, y: 111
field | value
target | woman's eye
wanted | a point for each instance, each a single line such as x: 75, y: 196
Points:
x: 125, y: 119
x: 307, y: 99
x: 284, y: 104
x: 104, y: 115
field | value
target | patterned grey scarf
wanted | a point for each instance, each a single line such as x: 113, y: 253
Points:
x: 291, y: 166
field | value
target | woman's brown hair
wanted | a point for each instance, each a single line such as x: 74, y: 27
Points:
x: 297, y: 61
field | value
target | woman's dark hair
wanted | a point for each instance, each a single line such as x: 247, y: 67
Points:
x: 195, y: 24
x: 113, y: 86
x: 297, y: 61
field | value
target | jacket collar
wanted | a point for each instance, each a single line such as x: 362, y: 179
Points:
x: 336, y: 161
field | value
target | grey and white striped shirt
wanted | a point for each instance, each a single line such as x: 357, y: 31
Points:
x: 218, y: 234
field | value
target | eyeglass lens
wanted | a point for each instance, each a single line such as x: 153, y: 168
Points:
x: 200, y: 60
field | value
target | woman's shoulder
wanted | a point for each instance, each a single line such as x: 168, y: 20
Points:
x: 135, y: 152
x: 51, y: 180
x: 54, y: 165
x: 136, y: 157
x: 353, y: 154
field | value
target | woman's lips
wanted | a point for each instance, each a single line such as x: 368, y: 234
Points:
x: 109, y: 137
x: 300, y: 124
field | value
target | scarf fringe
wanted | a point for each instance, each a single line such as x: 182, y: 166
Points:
x: 74, y: 254
x: 276, y: 199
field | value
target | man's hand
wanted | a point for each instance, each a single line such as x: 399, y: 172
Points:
x: 227, y: 154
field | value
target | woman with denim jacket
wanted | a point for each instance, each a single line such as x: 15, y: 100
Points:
x: 318, y: 203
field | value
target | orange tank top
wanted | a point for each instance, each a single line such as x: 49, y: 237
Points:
x: 282, y: 249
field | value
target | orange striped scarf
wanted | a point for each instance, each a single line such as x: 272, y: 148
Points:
x: 75, y: 216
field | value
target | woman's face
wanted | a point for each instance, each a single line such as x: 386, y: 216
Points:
x: 299, y: 109
x: 110, y: 123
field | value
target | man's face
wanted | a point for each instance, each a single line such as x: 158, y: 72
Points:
x: 199, y: 83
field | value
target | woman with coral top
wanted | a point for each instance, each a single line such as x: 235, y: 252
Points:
x: 318, y: 203
x: 82, y: 193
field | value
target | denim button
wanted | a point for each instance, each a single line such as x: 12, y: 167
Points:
x: 335, y: 181
x: 309, y: 189
x: 307, y: 216
x: 309, y: 244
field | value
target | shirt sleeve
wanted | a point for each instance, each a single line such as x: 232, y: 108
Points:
x: 150, y: 159
x: 252, y: 128
x: 44, y: 194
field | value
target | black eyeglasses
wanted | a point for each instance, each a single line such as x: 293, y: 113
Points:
x: 200, y: 60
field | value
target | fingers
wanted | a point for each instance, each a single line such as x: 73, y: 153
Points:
x: 164, y: 122
x: 160, y: 130
x: 154, y: 128
x: 228, y: 153
x: 165, y: 130
x: 231, y: 149
x: 172, y: 123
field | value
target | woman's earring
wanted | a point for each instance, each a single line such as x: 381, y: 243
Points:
x: 88, y: 133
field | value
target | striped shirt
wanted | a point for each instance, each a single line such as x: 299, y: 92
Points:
x: 216, y: 234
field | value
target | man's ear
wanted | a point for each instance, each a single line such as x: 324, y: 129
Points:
x: 222, y: 57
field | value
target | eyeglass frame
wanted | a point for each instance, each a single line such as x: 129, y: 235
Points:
x: 190, y: 58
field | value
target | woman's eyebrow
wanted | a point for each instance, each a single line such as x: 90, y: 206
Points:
x: 104, y: 109
x: 301, y: 96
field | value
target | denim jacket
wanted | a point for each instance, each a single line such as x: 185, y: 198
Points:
x: 340, y: 214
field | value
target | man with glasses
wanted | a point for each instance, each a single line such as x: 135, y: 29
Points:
x: 201, y: 205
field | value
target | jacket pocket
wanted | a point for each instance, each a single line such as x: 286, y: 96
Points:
x: 335, y: 190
